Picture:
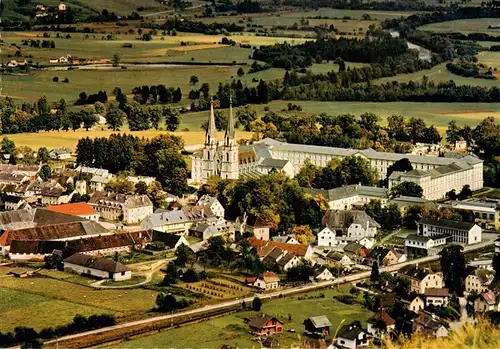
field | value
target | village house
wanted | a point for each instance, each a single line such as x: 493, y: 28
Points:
x: 267, y: 281
x: 413, y: 302
x: 437, y: 297
x: 136, y: 179
x: 461, y: 232
x: 326, y: 238
x: 356, y: 252
x: 318, y: 326
x: 14, y: 63
x: 12, y: 203
x: 421, y: 279
x: 206, y: 231
x: 214, y: 204
x: 352, y: 336
x: 79, y: 209
x: 430, y: 326
x: 324, y: 275
x: 389, y: 322
x: 13, y: 179
x: 477, y: 279
x: 171, y: 241
x: 385, y: 256
x: 25, y: 170
x: 98, y: 267
x: 339, y: 260
x: 487, y: 301
x: 60, y: 153
x: 265, y: 247
x: 288, y: 261
x: 253, y: 224
x: 286, y: 239
x: 98, y: 183
x: 115, y: 207
x: 351, y: 225
x: 264, y: 325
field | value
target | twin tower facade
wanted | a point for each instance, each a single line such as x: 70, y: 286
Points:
x: 220, y: 160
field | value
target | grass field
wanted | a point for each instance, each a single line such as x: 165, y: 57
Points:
x: 69, y: 139
x: 439, y: 73
x: 466, y: 26
x: 232, y: 329
x: 21, y: 308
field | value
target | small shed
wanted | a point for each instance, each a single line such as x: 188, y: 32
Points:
x: 317, y: 326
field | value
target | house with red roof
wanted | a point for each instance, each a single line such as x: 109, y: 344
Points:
x: 265, y: 247
x: 374, y: 322
x: 79, y: 209
x: 487, y: 301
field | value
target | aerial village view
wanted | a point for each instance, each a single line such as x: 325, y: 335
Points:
x: 223, y: 174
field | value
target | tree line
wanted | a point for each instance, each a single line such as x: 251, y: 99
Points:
x: 360, y: 5
x: 354, y: 50
x: 158, y: 157
x: 468, y: 67
x: 156, y: 94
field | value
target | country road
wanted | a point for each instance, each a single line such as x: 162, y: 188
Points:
x: 310, y: 287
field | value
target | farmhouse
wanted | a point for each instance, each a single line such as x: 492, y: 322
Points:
x: 356, y: 252
x: 385, y: 256
x: 413, y: 302
x: 317, y: 326
x: 426, y: 324
x: 264, y: 325
x: 462, y: 232
x: 98, y: 267
x: 326, y: 238
x: 339, y: 260
x: 79, y: 209
x: 265, y: 247
x: 324, y: 275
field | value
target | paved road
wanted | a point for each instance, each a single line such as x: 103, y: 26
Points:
x: 309, y: 287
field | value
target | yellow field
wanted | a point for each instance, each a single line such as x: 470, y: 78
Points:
x: 69, y: 139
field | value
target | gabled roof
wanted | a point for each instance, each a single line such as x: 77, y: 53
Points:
x: 119, y: 200
x: 269, y: 276
x: 73, y: 209
x: 353, y: 248
x: 287, y: 258
x: 489, y: 297
x: 99, y: 263
x: 264, y: 247
x: 256, y: 221
x: 336, y: 256
x: 436, y: 292
x: 415, y: 272
x: 274, y: 255
x: 169, y: 240
x: 320, y: 321
x: 260, y: 320
x: 340, y: 219
x: 386, y: 318
x: 350, y: 332
x: 446, y: 223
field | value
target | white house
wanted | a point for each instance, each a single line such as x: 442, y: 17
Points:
x: 267, y: 281
x: 371, y: 324
x: 367, y: 242
x: 351, y: 336
x: 339, y: 260
x: 487, y: 301
x: 419, y: 244
x: 214, y: 204
x: 288, y: 261
x: 437, y: 297
x: 60, y: 153
x: 128, y: 208
x: 99, y: 267
x: 354, y: 225
x: 422, y: 279
x: 477, y: 279
x: 326, y: 238
x: 462, y: 232
x: 253, y: 224
x: 325, y: 275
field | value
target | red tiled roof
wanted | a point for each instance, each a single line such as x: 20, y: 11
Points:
x: 74, y: 209
x: 389, y: 321
x: 264, y: 247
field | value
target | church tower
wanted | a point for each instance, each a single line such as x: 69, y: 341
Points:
x: 230, y: 161
x: 209, y: 165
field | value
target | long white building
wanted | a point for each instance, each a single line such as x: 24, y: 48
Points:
x: 462, y: 232
x: 436, y: 175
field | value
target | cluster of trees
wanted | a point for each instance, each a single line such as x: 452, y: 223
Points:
x: 42, y: 116
x: 159, y: 157
x: 157, y: 94
x: 353, y: 50
x: 168, y: 302
x: 100, y: 96
x: 29, y: 338
x: 360, y: 5
x: 42, y: 44
x: 276, y: 198
x: 469, y: 69
x: 243, y: 95
x: 338, y: 173
x: 249, y: 6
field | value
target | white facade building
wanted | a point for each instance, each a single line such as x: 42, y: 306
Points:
x: 99, y: 267
x: 462, y: 232
x: 326, y: 238
x: 214, y: 205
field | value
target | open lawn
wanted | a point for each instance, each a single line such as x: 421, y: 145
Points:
x: 466, y: 26
x: 119, y: 302
x: 439, y: 73
x: 232, y: 329
x: 217, y: 288
x: 491, y: 59
x: 69, y: 139
x: 21, y: 308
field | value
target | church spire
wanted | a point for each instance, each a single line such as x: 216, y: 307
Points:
x: 210, y: 134
x: 229, y: 136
